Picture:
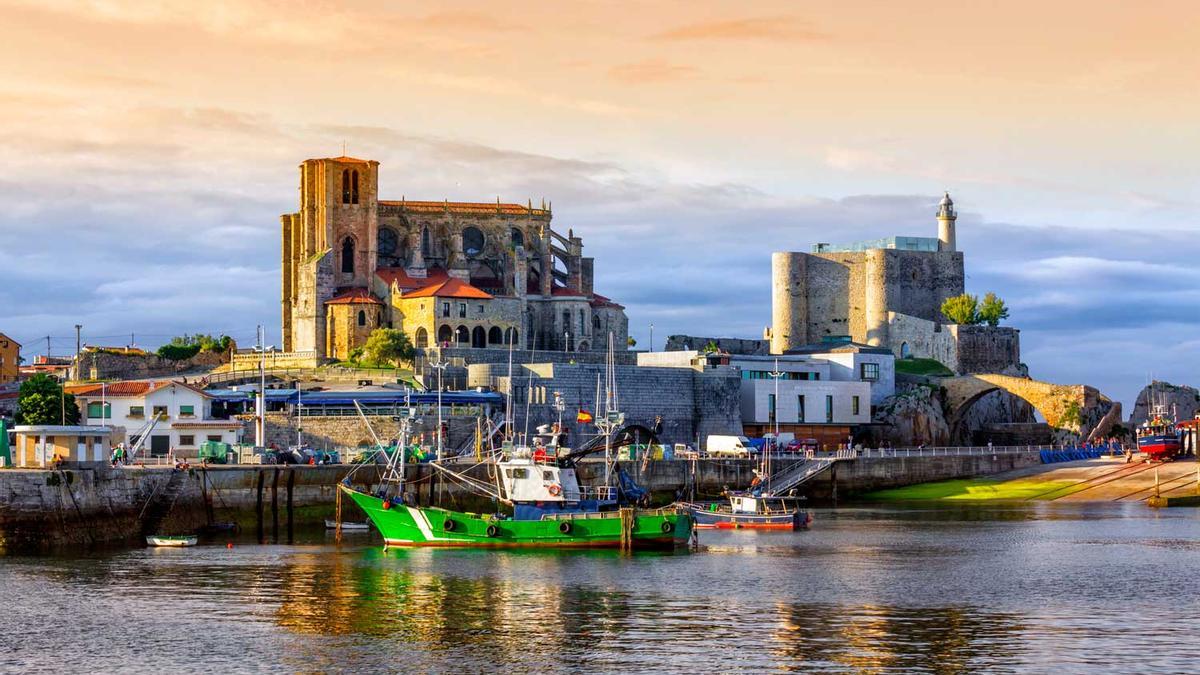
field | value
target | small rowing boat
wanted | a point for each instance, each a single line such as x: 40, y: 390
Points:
x: 172, y: 540
x: 346, y: 525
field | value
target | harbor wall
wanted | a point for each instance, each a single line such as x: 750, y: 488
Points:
x: 95, y: 504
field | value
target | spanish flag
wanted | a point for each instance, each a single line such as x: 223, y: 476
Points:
x: 584, y: 417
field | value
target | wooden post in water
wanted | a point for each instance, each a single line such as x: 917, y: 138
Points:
x: 291, y: 483
x: 259, y: 507
x: 275, y: 506
x: 337, y: 532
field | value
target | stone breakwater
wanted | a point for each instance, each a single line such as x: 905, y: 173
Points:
x: 96, y: 504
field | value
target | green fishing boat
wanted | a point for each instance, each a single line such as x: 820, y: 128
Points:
x: 544, y: 504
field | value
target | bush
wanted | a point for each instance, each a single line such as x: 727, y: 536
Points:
x: 187, y: 346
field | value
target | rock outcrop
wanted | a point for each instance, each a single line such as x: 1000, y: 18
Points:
x: 915, y: 415
x: 107, y: 365
x: 1183, y: 400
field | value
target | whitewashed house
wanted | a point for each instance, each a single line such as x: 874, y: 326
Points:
x: 182, y: 412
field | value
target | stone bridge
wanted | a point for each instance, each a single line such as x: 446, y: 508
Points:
x: 1073, y: 410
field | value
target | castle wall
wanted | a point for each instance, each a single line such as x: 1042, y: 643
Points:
x: 988, y: 349
x: 683, y: 343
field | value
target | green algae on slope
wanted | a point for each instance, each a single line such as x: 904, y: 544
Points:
x: 974, y: 489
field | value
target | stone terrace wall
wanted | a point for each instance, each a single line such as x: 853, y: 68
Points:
x: 690, y: 402
x: 740, y: 346
x: 96, y: 365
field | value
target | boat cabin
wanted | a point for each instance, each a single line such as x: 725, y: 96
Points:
x: 529, y: 477
x: 749, y: 503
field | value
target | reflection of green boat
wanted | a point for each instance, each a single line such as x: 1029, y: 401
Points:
x: 405, y: 525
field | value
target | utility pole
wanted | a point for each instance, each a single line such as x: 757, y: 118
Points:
x: 651, y: 336
x: 775, y: 374
x: 260, y: 428
x: 78, y: 348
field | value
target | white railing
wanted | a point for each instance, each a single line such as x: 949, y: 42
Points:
x: 950, y: 451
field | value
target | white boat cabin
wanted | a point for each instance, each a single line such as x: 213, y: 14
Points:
x: 751, y: 504
x: 529, y: 479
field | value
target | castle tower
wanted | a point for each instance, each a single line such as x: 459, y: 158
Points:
x: 789, y: 301
x: 946, y: 217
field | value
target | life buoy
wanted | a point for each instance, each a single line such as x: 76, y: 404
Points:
x: 565, y: 527
x: 448, y: 525
x: 492, y: 530
x: 555, y: 490
x: 667, y: 527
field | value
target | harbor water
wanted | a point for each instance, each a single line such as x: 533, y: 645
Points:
x: 1012, y: 588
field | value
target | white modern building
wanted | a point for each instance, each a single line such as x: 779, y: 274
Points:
x: 824, y: 393
x: 181, y: 413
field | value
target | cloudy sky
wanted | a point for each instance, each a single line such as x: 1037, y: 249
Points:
x: 149, y: 149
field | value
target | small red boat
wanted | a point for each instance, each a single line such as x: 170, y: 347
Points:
x: 1157, y: 438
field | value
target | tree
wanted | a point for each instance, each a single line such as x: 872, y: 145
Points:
x: 629, y: 341
x: 186, y: 346
x: 41, y: 401
x: 388, y: 346
x: 993, y: 310
x: 711, y: 347
x: 962, y: 309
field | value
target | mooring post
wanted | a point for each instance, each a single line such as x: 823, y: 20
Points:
x: 291, y: 483
x: 275, y: 506
x: 833, y: 482
x: 337, y: 532
x: 259, y: 507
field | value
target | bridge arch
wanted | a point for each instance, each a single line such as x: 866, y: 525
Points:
x: 1075, y: 410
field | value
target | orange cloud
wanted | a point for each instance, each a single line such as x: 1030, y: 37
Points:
x: 650, y: 72
x: 781, y: 28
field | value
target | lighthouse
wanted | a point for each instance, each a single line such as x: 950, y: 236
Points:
x: 946, y: 217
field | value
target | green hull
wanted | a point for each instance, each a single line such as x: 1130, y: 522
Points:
x: 432, y: 526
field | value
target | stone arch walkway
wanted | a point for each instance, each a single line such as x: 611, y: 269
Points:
x: 1073, y: 409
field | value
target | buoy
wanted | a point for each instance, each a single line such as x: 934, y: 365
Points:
x: 229, y: 544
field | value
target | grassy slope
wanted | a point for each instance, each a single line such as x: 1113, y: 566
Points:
x: 922, y: 367
x: 978, y: 489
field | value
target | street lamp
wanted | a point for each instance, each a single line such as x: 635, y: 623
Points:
x: 652, y: 336
x: 775, y: 375
x: 439, y: 365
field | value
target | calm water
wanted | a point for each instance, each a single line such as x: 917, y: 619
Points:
x: 1034, y: 589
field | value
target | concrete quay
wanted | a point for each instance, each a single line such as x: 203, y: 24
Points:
x: 86, y: 504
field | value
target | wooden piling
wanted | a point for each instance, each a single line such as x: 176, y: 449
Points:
x: 259, y: 507
x: 291, y: 484
x: 275, y: 506
x: 337, y: 533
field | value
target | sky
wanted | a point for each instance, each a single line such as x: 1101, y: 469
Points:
x: 149, y: 149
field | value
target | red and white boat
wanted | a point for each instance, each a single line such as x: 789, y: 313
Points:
x: 1158, y: 438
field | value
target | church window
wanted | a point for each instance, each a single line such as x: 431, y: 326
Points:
x: 362, y: 318
x: 518, y: 239
x: 596, y: 324
x: 472, y: 242
x: 354, y: 187
x: 348, y: 255
x: 345, y: 186
x: 387, y: 241
x: 422, y: 338
x: 426, y: 243
x: 582, y: 322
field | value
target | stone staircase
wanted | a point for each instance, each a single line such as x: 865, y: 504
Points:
x: 158, y: 506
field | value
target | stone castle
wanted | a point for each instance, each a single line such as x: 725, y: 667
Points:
x: 448, y: 274
x: 885, y: 293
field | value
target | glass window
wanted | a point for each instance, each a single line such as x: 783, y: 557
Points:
x: 445, y: 309
x: 854, y: 405
x: 137, y: 411
x: 828, y: 408
x: 870, y: 371
x: 520, y: 473
x: 187, y: 441
x: 187, y: 411
x: 160, y: 411
x: 462, y: 310
x: 771, y: 408
x: 547, y: 475
x: 799, y: 408
x: 216, y: 438
x: 479, y: 309
x: 98, y: 409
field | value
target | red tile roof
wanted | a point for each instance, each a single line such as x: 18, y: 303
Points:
x: 399, y: 276
x: 481, y: 208
x: 450, y: 288
x: 354, y: 296
x: 601, y: 301
x: 132, y: 389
